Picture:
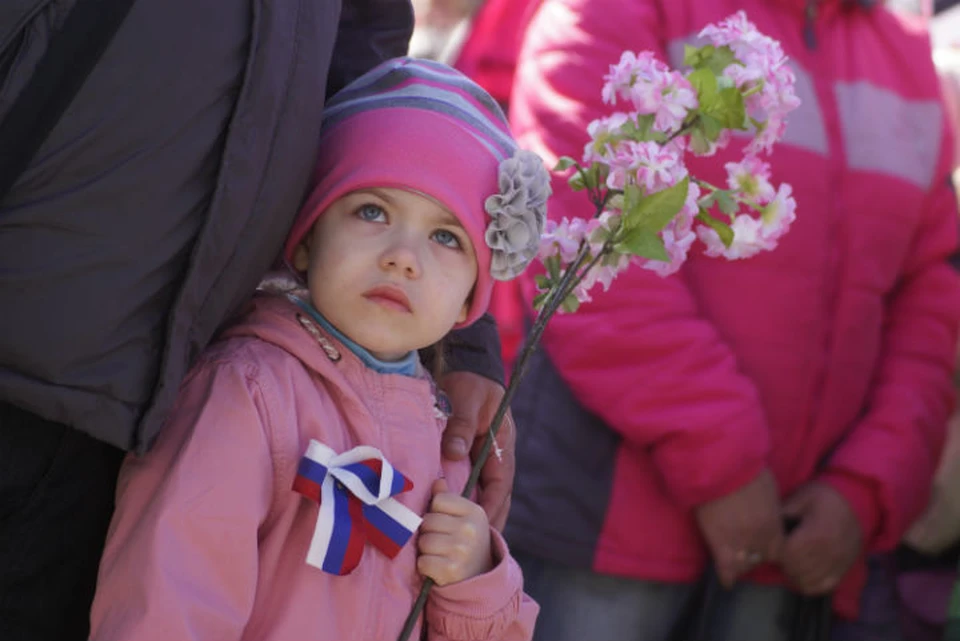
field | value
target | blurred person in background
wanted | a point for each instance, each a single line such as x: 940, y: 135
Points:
x: 675, y: 422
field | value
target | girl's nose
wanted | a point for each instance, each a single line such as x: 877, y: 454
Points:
x: 401, y: 257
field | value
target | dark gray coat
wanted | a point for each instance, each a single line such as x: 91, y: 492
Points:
x: 164, y: 193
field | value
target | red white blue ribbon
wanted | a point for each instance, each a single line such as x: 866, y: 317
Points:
x: 355, y: 491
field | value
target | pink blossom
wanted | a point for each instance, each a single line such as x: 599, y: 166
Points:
x: 761, y: 73
x: 779, y: 214
x: 677, y: 242
x: 562, y: 239
x: 691, y: 207
x: 735, y: 28
x: 637, y: 77
x: 647, y: 164
x: 678, y: 98
x: 602, y: 274
x: 751, y: 179
x: 652, y: 88
x: 603, y: 133
x: 747, y: 239
x: 753, y: 235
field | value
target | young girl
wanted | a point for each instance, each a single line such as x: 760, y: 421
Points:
x: 280, y: 501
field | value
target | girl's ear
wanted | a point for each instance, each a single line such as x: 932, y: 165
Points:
x: 301, y: 256
x: 463, y: 311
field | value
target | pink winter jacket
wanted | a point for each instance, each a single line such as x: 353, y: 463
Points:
x: 209, y: 540
x: 828, y: 358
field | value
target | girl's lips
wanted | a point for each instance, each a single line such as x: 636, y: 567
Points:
x: 390, y: 297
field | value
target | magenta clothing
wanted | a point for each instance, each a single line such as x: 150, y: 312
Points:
x: 209, y: 540
x: 829, y: 358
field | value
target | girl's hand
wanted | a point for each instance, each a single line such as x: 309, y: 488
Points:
x: 454, y: 538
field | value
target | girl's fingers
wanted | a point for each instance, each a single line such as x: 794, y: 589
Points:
x: 454, y: 505
x: 440, y: 486
x: 440, y: 545
x: 440, y: 569
x: 439, y: 522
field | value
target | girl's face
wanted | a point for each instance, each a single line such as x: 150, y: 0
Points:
x: 391, y: 269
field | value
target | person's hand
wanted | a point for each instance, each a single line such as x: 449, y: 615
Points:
x: 454, y: 538
x: 825, y: 543
x: 743, y: 528
x: 475, y: 400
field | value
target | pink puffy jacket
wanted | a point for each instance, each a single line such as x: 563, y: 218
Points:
x: 828, y: 358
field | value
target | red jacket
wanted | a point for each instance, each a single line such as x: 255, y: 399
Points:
x: 830, y: 357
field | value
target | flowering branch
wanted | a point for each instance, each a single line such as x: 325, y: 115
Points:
x: 647, y: 203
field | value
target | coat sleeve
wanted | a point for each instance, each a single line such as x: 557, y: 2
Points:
x: 640, y: 356
x: 181, y: 556
x: 369, y: 32
x: 476, y: 349
x: 885, y: 466
x: 489, y: 607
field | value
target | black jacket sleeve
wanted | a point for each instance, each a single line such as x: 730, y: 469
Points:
x: 370, y: 31
x: 473, y: 349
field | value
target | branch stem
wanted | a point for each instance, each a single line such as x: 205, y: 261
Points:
x: 570, y: 279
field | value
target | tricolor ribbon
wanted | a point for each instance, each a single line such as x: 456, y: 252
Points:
x: 355, y: 491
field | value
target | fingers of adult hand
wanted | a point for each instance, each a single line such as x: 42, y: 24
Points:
x: 728, y: 567
x: 496, y: 484
x: 467, y: 392
x: 805, y: 560
x: 496, y: 507
x: 800, y: 502
x: 457, y: 437
x: 767, y: 544
x: 496, y: 475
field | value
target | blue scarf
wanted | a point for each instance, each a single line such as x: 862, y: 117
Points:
x: 407, y: 366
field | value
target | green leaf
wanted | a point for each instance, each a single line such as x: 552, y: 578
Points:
x: 577, y: 182
x: 733, y: 112
x: 553, y: 267
x: 705, y: 83
x: 565, y: 163
x: 570, y: 304
x: 610, y: 259
x: 542, y: 281
x: 695, y: 56
x: 720, y: 59
x: 710, y: 126
x: 653, y: 212
x: 643, y: 127
x: 726, y: 202
x: 632, y: 195
x: 709, y: 57
x: 539, y: 300
x: 644, y: 243
x: 708, y: 201
x: 722, y: 229
x: 698, y: 142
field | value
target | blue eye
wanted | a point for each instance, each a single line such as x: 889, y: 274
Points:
x: 371, y: 213
x: 447, y: 239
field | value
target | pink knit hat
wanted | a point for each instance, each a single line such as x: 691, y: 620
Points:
x: 425, y: 127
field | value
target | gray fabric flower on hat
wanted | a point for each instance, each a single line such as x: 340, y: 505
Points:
x: 517, y: 213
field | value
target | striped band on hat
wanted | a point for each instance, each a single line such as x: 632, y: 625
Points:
x: 428, y: 85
